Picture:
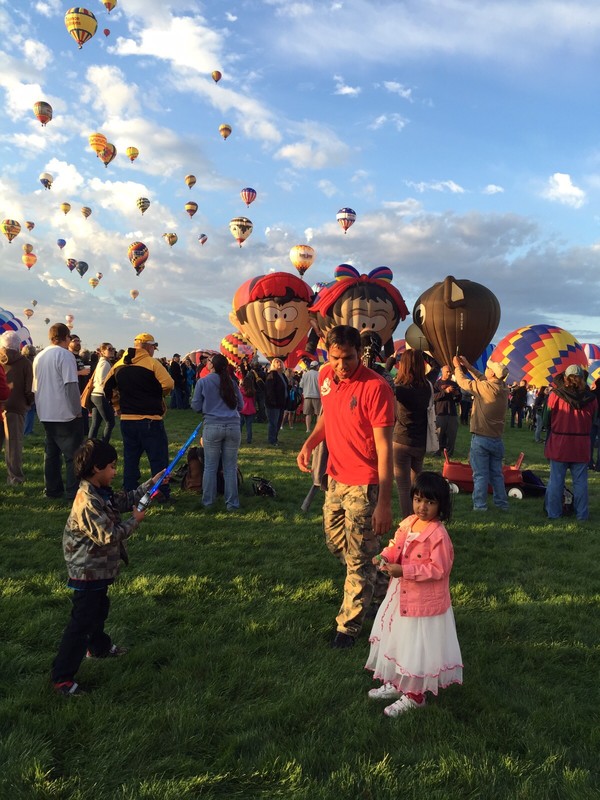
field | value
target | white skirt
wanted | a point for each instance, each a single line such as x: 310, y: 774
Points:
x: 414, y: 654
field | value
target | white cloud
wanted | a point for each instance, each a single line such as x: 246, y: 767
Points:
x: 37, y: 54
x: 343, y: 88
x: 436, y: 186
x: 230, y: 17
x: 398, y: 88
x: 397, y: 120
x: 561, y: 189
x: 319, y: 148
x: 492, y: 188
x: 109, y: 92
x: 327, y: 187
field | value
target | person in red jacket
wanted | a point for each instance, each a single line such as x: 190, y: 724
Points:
x: 414, y: 647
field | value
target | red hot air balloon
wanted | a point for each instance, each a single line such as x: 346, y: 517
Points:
x: 248, y: 195
x: 106, y: 32
x: 138, y: 255
x: 43, y: 111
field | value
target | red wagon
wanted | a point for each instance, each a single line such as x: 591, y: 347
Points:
x: 460, y: 477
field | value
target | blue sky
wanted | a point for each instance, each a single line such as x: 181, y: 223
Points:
x: 464, y: 134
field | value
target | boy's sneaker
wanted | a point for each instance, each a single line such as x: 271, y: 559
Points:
x: 68, y: 689
x: 400, y: 706
x: 384, y: 692
x: 114, y: 652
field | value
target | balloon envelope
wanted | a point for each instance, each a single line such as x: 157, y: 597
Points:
x: 132, y: 153
x: 346, y: 217
x: 86, y: 211
x: 10, y: 228
x: 134, y: 294
x: 82, y: 267
x: 202, y: 238
x: 170, y: 238
x: 108, y: 154
x: 93, y: 282
x: 592, y: 351
x: 27, y: 248
x: 98, y: 142
x: 71, y: 264
x: 248, y: 195
x: 216, y: 75
x: 241, y: 228
x: 65, y: 208
x: 30, y: 225
x: 81, y: 24
x: 43, y: 111
x: 46, y: 180
x: 8, y: 322
x: 302, y: 256
x: 537, y: 353
x: 225, y: 130
x: 190, y: 180
x: 29, y: 259
x: 137, y: 253
x: 191, y: 208
x: 235, y: 346
x: 143, y: 204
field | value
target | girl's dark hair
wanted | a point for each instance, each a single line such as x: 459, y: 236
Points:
x: 411, y: 369
x: 227, y: 391
x: 248, y: 385
x: 93, y: 453
x: 432, y: 486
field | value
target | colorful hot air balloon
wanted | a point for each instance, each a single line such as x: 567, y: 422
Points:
x: 132, y: 153
x: 65, y: 208
x: 86, y: 211
x: 46, y: 180
x: 8, y: 322
x: 98, y: 142
x: 109, y: 4
x: 27, y: 248
x: 10, y: 228
x: 93, y: 282
x: 134, y: 294
x: 302, y: 256
x: 28, y: 312
x: 143, y: 204
x: 99, y: 275
x: 170, y: 238
x: 216, y: 75
x: 43, y: 111
x: 225, y: 130
x: 248, y: 195
x: 592, y: 351
x: 202, y: 238
x: 29, y: 259
x: 30, y: 225
x: 191, y: 208
x: 235, y: 346
x: 108, y: 154
x: 71, y: 264
x: 537, y: 353
x: 138, y: 255
x: 61, y: 243
x: 81, y: 24
x: 241, y: 228
x: 190, y: 180
x: 82, y: 267
x: 593, y: 371
x: 69, y: 319
x: 106, y: 32
x: 346, y: 218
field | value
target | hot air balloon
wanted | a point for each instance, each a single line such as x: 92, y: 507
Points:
x: 190, y: 180
x: 191, y: 208
x: 457, y: 317
x: 71, y: 264
x: 109, y: 4
x: 82, y: 267
x: 46, y: 180
x: 202, y: 238
x: 346, y: 218
x: 108, y: 154
x: 99, y: 275
x: 28, y: 312
x: 81, y: 24
x: 69, y: 319
x: 106, y: 32
x: 34, y: 303
x: 93, y: 282
x: 143, y: 204
x: 225, y: 130
x: 43, y: 111
x: 302, y: 256
x: 29, y: 259
x: 65, y: 208
x: 170, y: 238
x: 10, y: 228
x: 47, y: 320
x: 236, y: 346
x: 138, y: 255
x: 592, y: 351
x: 98, y: 142
x: 61, y: 243
x: 537, y: 353
x: 8, y: 322
x: 241, y: 228
x: 27, y: 248
x: 134, y: 294
x: 132, y: 153
x: 248, y: 195
x: 86, y: 211
x: 216, y: 75
x: 30, y: 225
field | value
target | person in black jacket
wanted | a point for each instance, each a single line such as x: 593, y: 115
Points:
x: 446, y: 395
x: 518, y: 403
x: 276, y: 394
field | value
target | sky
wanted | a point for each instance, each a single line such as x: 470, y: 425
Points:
x: 464, y: 134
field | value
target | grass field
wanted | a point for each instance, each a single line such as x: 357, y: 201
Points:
x: 230, y: 690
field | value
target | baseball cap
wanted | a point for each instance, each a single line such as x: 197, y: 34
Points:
x: 314, y: 363
x: 176, y: 355
x: 574, y: 369
x: 145, y: 338
x: 499, y: 370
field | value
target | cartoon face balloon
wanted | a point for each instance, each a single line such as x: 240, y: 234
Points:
x: 457, y: 317
x: 271, y: 311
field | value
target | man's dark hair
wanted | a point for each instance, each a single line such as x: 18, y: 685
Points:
x: 93, y: 453
x: 58, y: 333
x: 343, y: 335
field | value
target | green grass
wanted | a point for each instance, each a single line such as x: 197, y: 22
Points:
x: 230, y: 690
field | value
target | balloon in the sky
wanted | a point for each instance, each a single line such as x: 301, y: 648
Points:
x: 34, y: 303
x: 457, y: 317
x: 28, y: 312
x: 27, y: 248
x: 29, y: 259
x: 132, y: 153
x: 592, y: 351
x: 30, y: 225
x: 137, y: 254
x: 8, y: 322
x: 81, y: 24
x: 143, y: 204
x: 106, y: 32
x: 593, y: 371
x: 134, y: 294
x: 47, y: 320
x: 93, y: 282
x: 316, y: 287
x: 99, y: 275
x: 69, y: 319
x: 248, y: 195
x: 191, y: 208
x: 241, y: 228
x: 108, y: 154
x: 43, y: 111
x: 170, y: 238
x: 10, y: 228
x: 225, y: 130
x: 202, y: 238
x: 481, y: 363
x: 235, y: 346
x: 190, y: 180
x: 71, y: 264
x: 109, y: 4
x: 346, y: 217
x: 537, y: 353
x: 65, y: 208
x: 302, y: 256
x: 98, y: 142
x: 86, y: 211
x: 216, y: 75
x: 46, y: 180
x: 82, y: 267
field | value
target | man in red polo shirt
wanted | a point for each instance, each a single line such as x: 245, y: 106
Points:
x: 356, y: 423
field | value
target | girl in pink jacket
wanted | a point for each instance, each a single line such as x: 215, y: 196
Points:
x: 414, y: 647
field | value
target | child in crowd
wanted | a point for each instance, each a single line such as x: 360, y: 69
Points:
x: 93, y: 544
x: 414, y: 647
x: 249, y: 409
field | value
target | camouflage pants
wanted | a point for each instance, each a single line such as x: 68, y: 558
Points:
x: 349, y: 536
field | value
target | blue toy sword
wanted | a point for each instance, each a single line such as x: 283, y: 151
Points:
x: 153, y: 491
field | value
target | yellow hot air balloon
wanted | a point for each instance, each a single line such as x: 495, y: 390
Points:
x: 29, y: 259
x: 132, y: 153
x: 170, y: 238
x: 28, y: 312
x: 86, y: 211
x: 241, y: 228
x: 27, y: 248
x: 10, y: 228
x: 98, y: 142
x: 107, y: 155
x: 143, y: 204
x: 191, y: 208
x: 216, y: 75
x: 190, y: 180
x: 30, y: 225
x: 81, y: 24
x: 134, y: 294
x: 109, y: 4
x: 93, y: 282
x: 65, y: 207
x: 225, y: 130
x: 302, y: 256
x: 43, y: 111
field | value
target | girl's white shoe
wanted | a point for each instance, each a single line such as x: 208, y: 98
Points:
x: 400, y: 706
x: 385, y: 692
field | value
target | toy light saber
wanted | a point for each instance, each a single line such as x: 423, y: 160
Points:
x: 153, y: 491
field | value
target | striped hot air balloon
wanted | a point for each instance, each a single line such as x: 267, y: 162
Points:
x: 81, y: 24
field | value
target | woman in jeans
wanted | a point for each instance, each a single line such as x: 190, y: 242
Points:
x: 102, y: 410
x: 219, y: 398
